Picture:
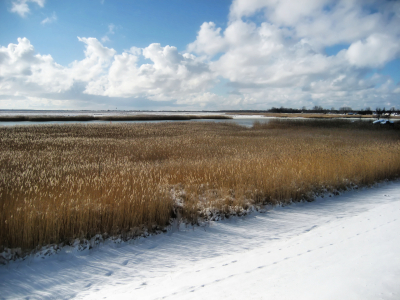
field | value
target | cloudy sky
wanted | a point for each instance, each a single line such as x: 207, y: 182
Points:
x: 199, y: 54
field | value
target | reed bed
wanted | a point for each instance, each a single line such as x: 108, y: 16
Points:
x: 63, y: 182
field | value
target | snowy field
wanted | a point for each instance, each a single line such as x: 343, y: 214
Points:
x: 342, y: 247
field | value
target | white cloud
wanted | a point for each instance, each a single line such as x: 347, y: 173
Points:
x: 105, y: 39
x: 171, y: 75
x: 209, y: 40
x: 111, y: 30
x: 23, y: 72
x: 21, y: 6
x: 282, y: 61
x: 375, y: 51
x: 97, y: 60
x: 51, y: 19
x: 325, y: 22
x: 278, y: 59
x: 245, y: 8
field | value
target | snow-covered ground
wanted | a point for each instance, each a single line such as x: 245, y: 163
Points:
x: 342, y: 247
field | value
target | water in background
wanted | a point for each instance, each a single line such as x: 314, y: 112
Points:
x: 241, y: 120
x: 246, y: 121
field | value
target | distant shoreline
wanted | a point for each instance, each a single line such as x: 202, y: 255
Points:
x: 314, y: 115
x: 49, y: 118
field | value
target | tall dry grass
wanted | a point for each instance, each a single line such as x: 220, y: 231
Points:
x: 61, y: 182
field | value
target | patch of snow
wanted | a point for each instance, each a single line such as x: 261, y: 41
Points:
x: 342, y: 247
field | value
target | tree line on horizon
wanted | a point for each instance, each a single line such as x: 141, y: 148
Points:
x: 320, y: 109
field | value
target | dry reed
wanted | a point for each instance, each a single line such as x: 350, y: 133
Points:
x: 62, y: 182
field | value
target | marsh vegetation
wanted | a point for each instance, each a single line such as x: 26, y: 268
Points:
x: 63, y: 182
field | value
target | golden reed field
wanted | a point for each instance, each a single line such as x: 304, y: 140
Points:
x: 63, y: 182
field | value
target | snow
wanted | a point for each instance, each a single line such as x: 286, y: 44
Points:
x: 342, y: 247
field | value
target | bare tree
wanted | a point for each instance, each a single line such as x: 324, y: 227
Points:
x: 379, y: 112
x: 345, y: 109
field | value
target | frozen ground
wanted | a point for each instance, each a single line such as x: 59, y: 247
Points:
x: 343, y: 247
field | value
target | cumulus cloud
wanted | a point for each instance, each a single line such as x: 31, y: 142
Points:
x: 97, y: 59
x: 21, y: 7
x: 209, y: 40
x: 375, y: 51
x: 324, y: 22
x: 271, y: 53
x: 282, y: 59
x: 23, y: 72
x: 170, y: 75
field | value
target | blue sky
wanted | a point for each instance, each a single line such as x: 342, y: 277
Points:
x: 194, y: 55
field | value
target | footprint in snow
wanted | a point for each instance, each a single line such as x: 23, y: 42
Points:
x: 109, y: 273
x: 125, y: 262
x: 311, y: 228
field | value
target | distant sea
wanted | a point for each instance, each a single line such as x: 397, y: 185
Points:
x: 241, y: 120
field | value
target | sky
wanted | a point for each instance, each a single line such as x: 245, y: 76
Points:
x: 199, y: 55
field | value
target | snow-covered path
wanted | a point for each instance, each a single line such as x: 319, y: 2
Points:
x: 344, y: 247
